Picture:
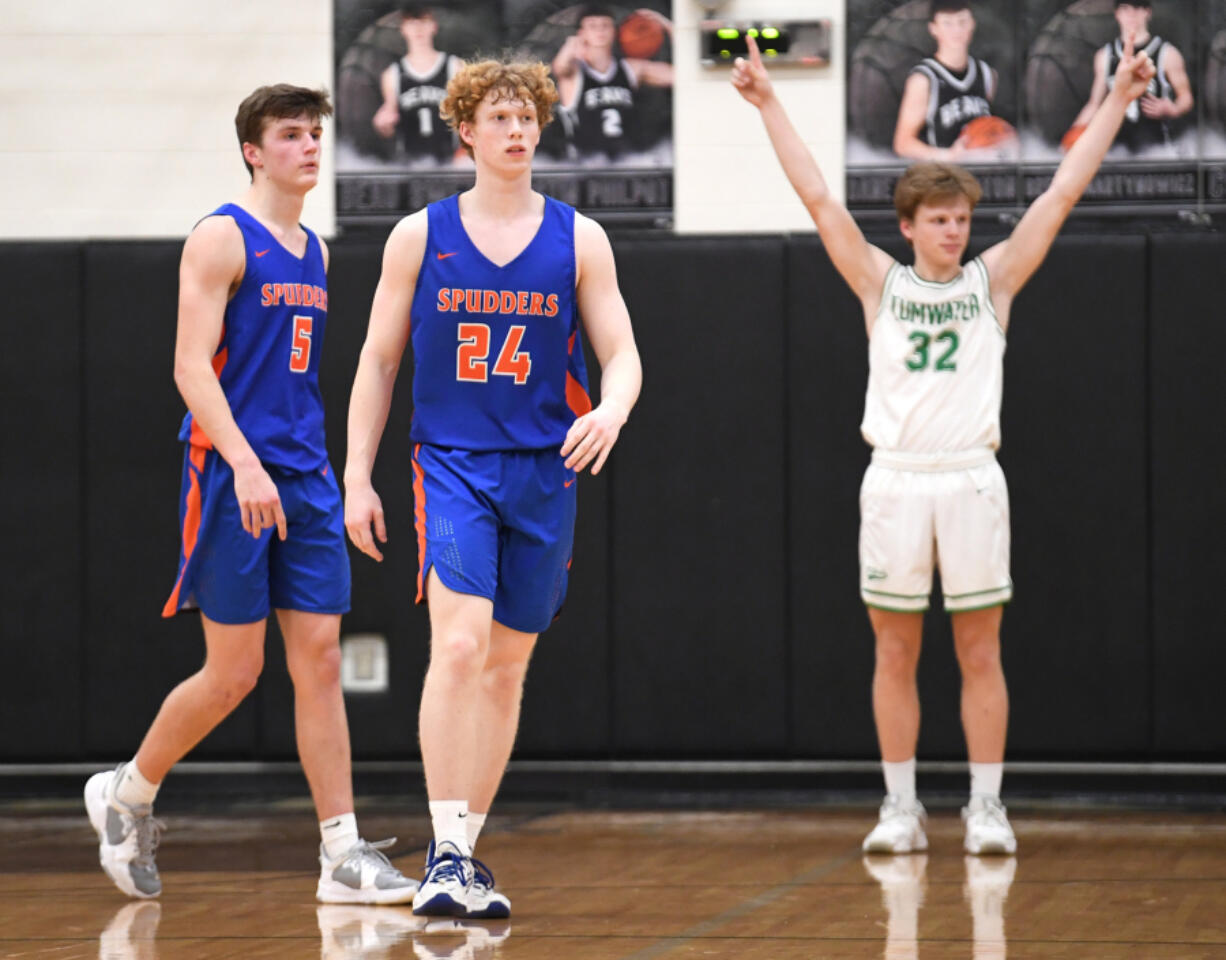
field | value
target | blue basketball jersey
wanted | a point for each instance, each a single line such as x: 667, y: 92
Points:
x: 268, y: 358
x: 498, y: 361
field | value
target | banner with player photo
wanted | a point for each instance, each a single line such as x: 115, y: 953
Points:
x: 608, y: 152
x: 1005, y: 88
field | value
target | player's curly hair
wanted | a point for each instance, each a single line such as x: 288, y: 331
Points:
x: 510, y: 80
x: 933, y: 182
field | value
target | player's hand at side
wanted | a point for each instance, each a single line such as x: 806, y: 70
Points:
x: 749, y: 76
x: 364, y: 509
x: 591, y: 438
x: 1134, y: 73
x: 385, y: 120
x: 259, y: 503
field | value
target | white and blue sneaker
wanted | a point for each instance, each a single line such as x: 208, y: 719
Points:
x: 444, y: 889
x: 484, y: 902
x: 127, y: 837
x: 362, y: 874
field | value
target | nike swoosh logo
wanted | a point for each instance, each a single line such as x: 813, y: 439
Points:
x: 461, y: 815
x: 334, y: 823
x: 567, y: 483
x: 324, y: 471
x: 260, y: 253
x: 444, y: 256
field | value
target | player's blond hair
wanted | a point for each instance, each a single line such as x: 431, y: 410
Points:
x: 933, y: 182
x: 510, y: 80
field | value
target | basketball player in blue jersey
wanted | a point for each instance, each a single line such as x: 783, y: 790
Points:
x: 934, y: 494
x: 491, y: 285
x: 946, y: 91
x: 262, y: 517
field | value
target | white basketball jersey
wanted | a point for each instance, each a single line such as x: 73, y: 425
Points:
x: 935, y: 364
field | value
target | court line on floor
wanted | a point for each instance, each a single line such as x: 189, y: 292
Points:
x: 764, y: 899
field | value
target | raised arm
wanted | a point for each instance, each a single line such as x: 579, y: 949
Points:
x: 1012, y: 262
x: 371, y: 399
x: 214, y: 259
x: 607, y: 323
x: 862, y: 265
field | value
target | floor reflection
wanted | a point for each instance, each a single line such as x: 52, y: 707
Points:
x: 903, y: 881
x: 131, y: 932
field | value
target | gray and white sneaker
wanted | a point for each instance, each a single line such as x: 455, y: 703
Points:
x: 900, y: 828
x: 127, y: 837
x: 484, y: 902
x: 362, y: 875
x: 987, y: 827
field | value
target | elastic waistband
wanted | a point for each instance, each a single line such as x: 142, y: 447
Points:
x: 933, y: 462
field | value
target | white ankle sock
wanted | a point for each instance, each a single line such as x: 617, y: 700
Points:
x: 131, y: 787
x: 475, y: 822
x: 986, y: 778
x: 450, y: 824
x: 900, y: 779
x: 338, y: 834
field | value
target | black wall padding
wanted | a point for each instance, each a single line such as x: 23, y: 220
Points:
x: 698, y: 521
x: 1076, y: 642
x: 1187, y: 344
x: 133, y: 461
x: 40, y: 485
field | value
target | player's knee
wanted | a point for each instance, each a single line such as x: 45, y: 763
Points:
x: 896, y: 656
x: 504, y: 683
x: 457, y: 653
x: 979, y: 657
x: 318, y: 665
x: 233, y: 680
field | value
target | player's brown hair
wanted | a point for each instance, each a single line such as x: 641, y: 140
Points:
x: 510, y: 80
x: 933, y: 182
x: 274, y: 103
x: 946, y: 6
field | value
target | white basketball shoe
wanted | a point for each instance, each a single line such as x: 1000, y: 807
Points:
x: 362, y: 874
x: 127, y: 837
x: 987, y: 827
x: 900, y: 827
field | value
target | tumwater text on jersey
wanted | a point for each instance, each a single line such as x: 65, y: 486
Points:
x: 962, y: 309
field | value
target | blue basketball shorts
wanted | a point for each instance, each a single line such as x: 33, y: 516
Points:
x: 233, y: 577
x: 499, y: 525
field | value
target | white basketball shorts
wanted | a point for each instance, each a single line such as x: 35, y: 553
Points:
x: 950, y: 511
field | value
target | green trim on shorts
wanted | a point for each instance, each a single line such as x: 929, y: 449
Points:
x: 986, y: 606
x: 977, y: 593
x: 898, y: 596
x: 877, y: 606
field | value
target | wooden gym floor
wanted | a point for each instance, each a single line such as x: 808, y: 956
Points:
x: 601, y: 885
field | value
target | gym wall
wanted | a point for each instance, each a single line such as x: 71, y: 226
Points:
x: 714, y: 609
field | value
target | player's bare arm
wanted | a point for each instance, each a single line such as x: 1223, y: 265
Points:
x: 210, y: 271
x: 607, y: 324
x: 388, y: 115
x: 654, y: 73
x: 1012, y: 262
x: 371, y: 399
x: 1177, y: 75
x: 1098, y: 90
x: 861, y: 264
x: 912, y: 117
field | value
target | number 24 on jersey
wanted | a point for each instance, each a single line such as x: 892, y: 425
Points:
x: 472, y: 354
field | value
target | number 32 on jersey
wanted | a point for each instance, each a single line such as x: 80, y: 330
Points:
x: 472, y: 355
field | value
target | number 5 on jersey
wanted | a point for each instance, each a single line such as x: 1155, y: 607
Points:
x: 300, y: 349
x: 473, y: 353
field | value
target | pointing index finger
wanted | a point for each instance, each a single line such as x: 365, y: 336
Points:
x: 1130, y: 44
x: 754, y: 56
